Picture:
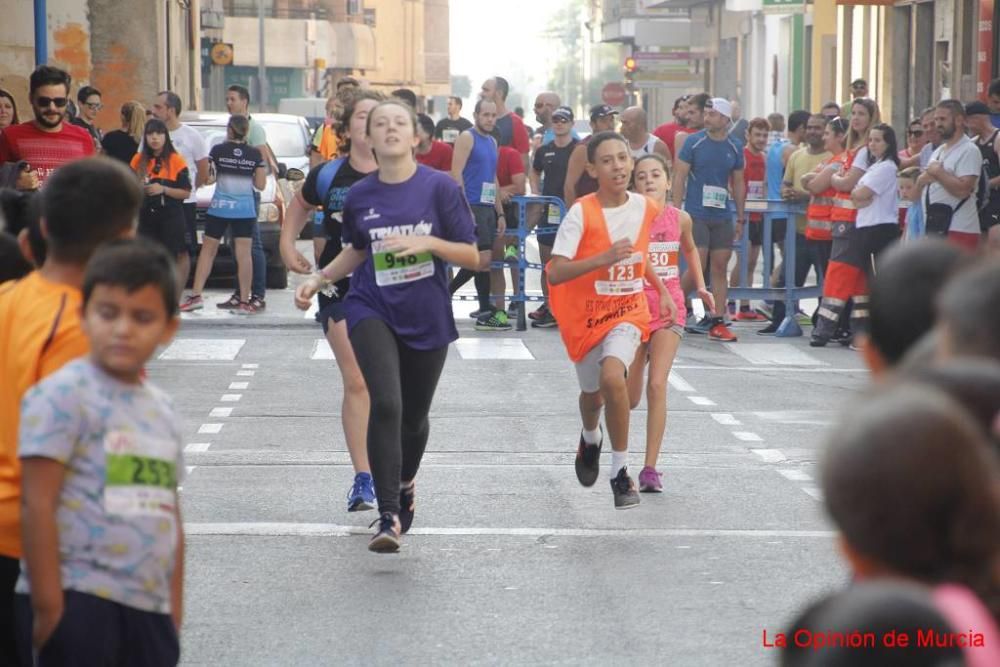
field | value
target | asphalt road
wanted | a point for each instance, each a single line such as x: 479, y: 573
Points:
x: 509, y: 560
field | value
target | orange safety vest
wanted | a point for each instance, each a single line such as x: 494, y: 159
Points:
x: 843, y: 209
x: 591, y: 305
x: 818, y: 221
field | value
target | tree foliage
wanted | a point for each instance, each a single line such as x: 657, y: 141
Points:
x: 566, y: 75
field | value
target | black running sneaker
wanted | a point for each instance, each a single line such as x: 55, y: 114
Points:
x: 405, y: 508
x: 386, y: 538
x: 588, y: 461
x: 626, y: 496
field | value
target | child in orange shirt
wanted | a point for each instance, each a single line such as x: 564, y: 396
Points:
x: 596, y: 294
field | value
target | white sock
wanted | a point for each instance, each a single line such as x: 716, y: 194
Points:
x: 592, y: 437
x: 619, y: 460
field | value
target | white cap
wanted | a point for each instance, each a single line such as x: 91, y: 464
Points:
x: 722, y: 105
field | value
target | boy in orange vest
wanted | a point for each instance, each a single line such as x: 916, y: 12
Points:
x: 596, y: 294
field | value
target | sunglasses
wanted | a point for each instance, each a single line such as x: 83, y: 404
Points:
x: 94, y: 106
x: 560, y: 119
x: 916, y: 133
x: 45, y: 102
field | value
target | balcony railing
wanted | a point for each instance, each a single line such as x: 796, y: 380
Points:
x: 244, y: 8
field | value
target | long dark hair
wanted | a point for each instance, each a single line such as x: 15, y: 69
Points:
x: 155, y: 126
x: 891, y: 148
x: 13, y: 103
x: 344, y: 122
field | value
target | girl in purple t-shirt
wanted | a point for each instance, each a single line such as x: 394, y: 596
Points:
x: 401, y: 225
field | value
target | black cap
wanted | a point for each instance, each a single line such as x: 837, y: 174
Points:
x: 977, y: 108
x: 563, y: 112
x: 601, y: 110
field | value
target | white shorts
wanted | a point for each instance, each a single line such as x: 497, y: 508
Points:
x: 620, y: 343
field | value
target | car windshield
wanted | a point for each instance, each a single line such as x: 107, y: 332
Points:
x: 285, y: 139
x: 213, y: 134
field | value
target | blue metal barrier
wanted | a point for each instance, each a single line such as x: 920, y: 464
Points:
x: 790, y: 294
x: 769, y: 209
x: 520, y: 298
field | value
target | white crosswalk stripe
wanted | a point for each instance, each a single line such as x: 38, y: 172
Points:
x: 203, y: 349
x: 775, y: 356
x: 493, y: 348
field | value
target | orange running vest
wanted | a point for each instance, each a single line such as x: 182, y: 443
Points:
x: 818, y: 221
x: 591, y: 305
x: 843, y: 208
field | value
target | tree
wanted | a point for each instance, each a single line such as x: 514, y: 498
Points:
x: 566, y: 76
x: 565, y: 28
x: 461, y: 86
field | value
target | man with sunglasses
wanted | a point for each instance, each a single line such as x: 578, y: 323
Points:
x: 47, y: 142
x: 548, y: 178
x: 89, y: 99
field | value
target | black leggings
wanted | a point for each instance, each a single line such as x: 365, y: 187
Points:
x: 401, y: 383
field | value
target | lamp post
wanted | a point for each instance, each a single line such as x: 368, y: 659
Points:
x: 261, y: 69
x: 41, y: 34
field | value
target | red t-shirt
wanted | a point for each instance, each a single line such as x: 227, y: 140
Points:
x: 438, y: 157
x: 754, y: 171
x: 667, y: 133
x: 509, y: 164
x: 44, y: 151
x: 519, y: 134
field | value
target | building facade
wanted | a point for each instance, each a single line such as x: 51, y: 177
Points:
x: 781, y: 55
x: 128, y: 50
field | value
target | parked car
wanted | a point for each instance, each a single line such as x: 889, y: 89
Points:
x: 289, y: 138
x: 313, y: 109
x: 212, y: 126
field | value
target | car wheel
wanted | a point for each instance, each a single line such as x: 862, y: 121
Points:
x: 277, y: 277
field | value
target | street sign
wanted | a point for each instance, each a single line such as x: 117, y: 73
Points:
x: 614, y: 94
x: 222, y: 53
x: 658, y: 67
x: 784, y: 7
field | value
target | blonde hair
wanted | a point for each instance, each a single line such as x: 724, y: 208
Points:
x: 134, y: 119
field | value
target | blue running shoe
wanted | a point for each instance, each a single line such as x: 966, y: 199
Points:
x: 362, y: 495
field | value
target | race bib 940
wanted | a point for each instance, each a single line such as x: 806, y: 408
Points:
x: 393, y: 270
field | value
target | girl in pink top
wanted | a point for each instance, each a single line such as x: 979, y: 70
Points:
x: 669, y: 234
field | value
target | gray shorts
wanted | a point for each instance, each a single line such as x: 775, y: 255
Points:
x: 713, y: 234
x: 620, y: 343
x: 486, y: 226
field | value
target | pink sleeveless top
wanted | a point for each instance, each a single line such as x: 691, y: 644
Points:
x: 664, y: 256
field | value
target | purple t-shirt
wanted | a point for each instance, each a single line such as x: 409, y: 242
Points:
x: 410, y: 296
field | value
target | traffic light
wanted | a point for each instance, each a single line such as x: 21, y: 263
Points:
x: 630, y: 69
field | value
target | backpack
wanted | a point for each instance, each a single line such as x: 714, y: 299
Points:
x: 328, y: 172
x: 983, y: 186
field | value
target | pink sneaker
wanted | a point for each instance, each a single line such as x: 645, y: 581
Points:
x: 649, y: 481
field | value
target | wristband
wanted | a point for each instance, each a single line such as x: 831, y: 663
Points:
x: 323, y: 280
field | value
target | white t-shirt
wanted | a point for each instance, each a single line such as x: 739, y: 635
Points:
x: 623, y: 222
x: 192, y: 147
x: 962, y: 159
x: 861, y: 159
x: 880, y: 179
x: 925, y: 155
